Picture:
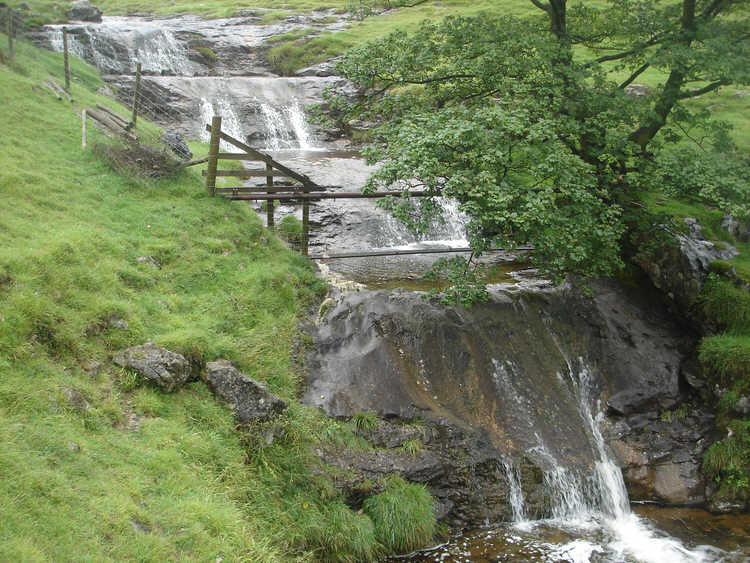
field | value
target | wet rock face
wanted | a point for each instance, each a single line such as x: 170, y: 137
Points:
x: 509, y: 378
x: 462, y: 470
x: 167, y: 370
x: 660, y: 456
x: 249, y: 399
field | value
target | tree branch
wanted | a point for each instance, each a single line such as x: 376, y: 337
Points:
x: 700, y: 91
x: 633, y: 76
x: 539, y: 5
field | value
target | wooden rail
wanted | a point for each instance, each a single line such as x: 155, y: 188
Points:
x: 305, y: 191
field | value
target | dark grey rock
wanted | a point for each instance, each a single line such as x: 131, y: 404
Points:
x: 24, y: 6
x: 168, y: 370
x: 502, y: 374
x: 84, y: 11
x: 175, y: 141
x: 250, y: 399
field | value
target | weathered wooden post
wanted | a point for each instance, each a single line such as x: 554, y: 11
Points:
x: 66, y: 57
x: 9, y: 29
x: 305, y: 225
x: 213, y: 155
x: 136, y: 94
x: 270, y: 222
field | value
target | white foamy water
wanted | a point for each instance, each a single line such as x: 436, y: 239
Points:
x: 594, y: 505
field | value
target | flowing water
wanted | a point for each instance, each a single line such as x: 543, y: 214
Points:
x: 590, y: 518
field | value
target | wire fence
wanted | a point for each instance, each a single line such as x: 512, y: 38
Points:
x: 13, y: 26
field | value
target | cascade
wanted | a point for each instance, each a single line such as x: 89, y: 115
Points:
x: 516, y: 492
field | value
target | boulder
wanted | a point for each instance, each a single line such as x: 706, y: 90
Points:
x: 84, y: 11
x: 638, y: 90
x: 250, y: 399
x: 176, y: 142
x: 168, y: 370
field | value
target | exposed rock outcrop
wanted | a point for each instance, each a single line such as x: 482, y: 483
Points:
x: 506, y: 380
x: 84, y: 11
x: 681, y: 269
x: 249, y: 399
x: 167, y: 370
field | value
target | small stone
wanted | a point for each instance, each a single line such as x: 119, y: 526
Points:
x: 73, y: 447
x: 117, y: 322
x: 176, y: 142
x: 148, y: 260
x: 92, y: 368
x: 742, y: 406
x: 166, y: 369
x: 76, y: 399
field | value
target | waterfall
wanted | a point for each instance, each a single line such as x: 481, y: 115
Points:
x: 595, y: 498
x: 230, y: 123
x: 286, y: 127
x: 159, y: 51
x: 516, y: 492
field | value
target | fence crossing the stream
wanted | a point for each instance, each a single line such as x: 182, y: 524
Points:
x: 296, y: 188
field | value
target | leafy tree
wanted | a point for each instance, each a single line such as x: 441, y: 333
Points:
x: 521, y: 122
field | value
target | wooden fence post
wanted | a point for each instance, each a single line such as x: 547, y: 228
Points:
x: 270, y: 221
x: 66, y: 56
x: 305, y: 226
x: 136, y: 94
x: 213, y: 154
x: 9, y: 16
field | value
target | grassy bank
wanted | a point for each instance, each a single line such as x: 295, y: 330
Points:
x: 95, y: 464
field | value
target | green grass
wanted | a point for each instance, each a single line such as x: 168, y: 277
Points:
x: 727, y: 357
x: 403, y: 515
x: 728, y: 462
x: 127, y: 472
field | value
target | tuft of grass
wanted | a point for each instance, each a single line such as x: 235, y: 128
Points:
x: 403, y: 514
x: 726, y: 357
x: 207, y: 53
x: 725, y: 305
x: 412, y: 447
x: 364, y: 422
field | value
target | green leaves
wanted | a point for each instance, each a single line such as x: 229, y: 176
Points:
x: 536, y: 144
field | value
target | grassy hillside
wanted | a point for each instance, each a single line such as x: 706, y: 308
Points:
x: 96, y: 465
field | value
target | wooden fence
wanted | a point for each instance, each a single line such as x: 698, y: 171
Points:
x: 297, y: 188
x: 295, y: 184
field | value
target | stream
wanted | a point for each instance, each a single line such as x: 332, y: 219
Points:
x: 581, y: 511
